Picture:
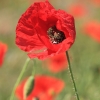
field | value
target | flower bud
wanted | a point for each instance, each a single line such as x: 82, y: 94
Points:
x: 28, y: 87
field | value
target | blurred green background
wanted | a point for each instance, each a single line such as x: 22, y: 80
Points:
x: 85, y: 53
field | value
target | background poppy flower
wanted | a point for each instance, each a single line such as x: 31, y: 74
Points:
x: 43, y: 31
x: 92, y: 28
x: 96, y: 2
x: 45, y: 88
x: 3, y: 49
x: 77, y: 10
x: 57, y: 63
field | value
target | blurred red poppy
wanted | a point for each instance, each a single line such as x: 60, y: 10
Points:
x: 57, y: 63
x: 3, y: 49
x: 92, y: 28
x: 96, y: 2
x: 77, y: 10
x: 43, y: 31
x: 45, y: 88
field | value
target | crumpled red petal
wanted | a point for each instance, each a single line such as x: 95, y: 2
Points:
x: 31, y: 31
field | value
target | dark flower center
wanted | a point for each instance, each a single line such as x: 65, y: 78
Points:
x: 56, y: 36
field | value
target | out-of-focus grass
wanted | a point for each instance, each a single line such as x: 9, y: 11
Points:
x: 85, y: 55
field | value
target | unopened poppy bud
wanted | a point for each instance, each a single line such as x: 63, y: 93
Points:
x: 35, y: 98
x: 28, y: 87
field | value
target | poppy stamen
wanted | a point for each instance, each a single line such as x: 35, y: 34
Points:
x: 56, y: 36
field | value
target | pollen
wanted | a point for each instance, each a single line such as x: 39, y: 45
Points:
x: 56, y: 36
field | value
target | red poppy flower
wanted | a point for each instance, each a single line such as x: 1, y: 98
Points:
x: 96, y: 2
x: 43, y: 31
x: 77, y: 10
x: 57, y: 63
x: 92, y: 28
x: 45, y: 88
x: 3, y: 49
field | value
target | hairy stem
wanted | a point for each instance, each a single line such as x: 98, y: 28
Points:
x: 72, y: 77
x: 19, y: 78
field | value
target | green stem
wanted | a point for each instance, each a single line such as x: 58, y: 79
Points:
x: 33, y: 70
x: 19, y: 78
x: 72, y: 77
